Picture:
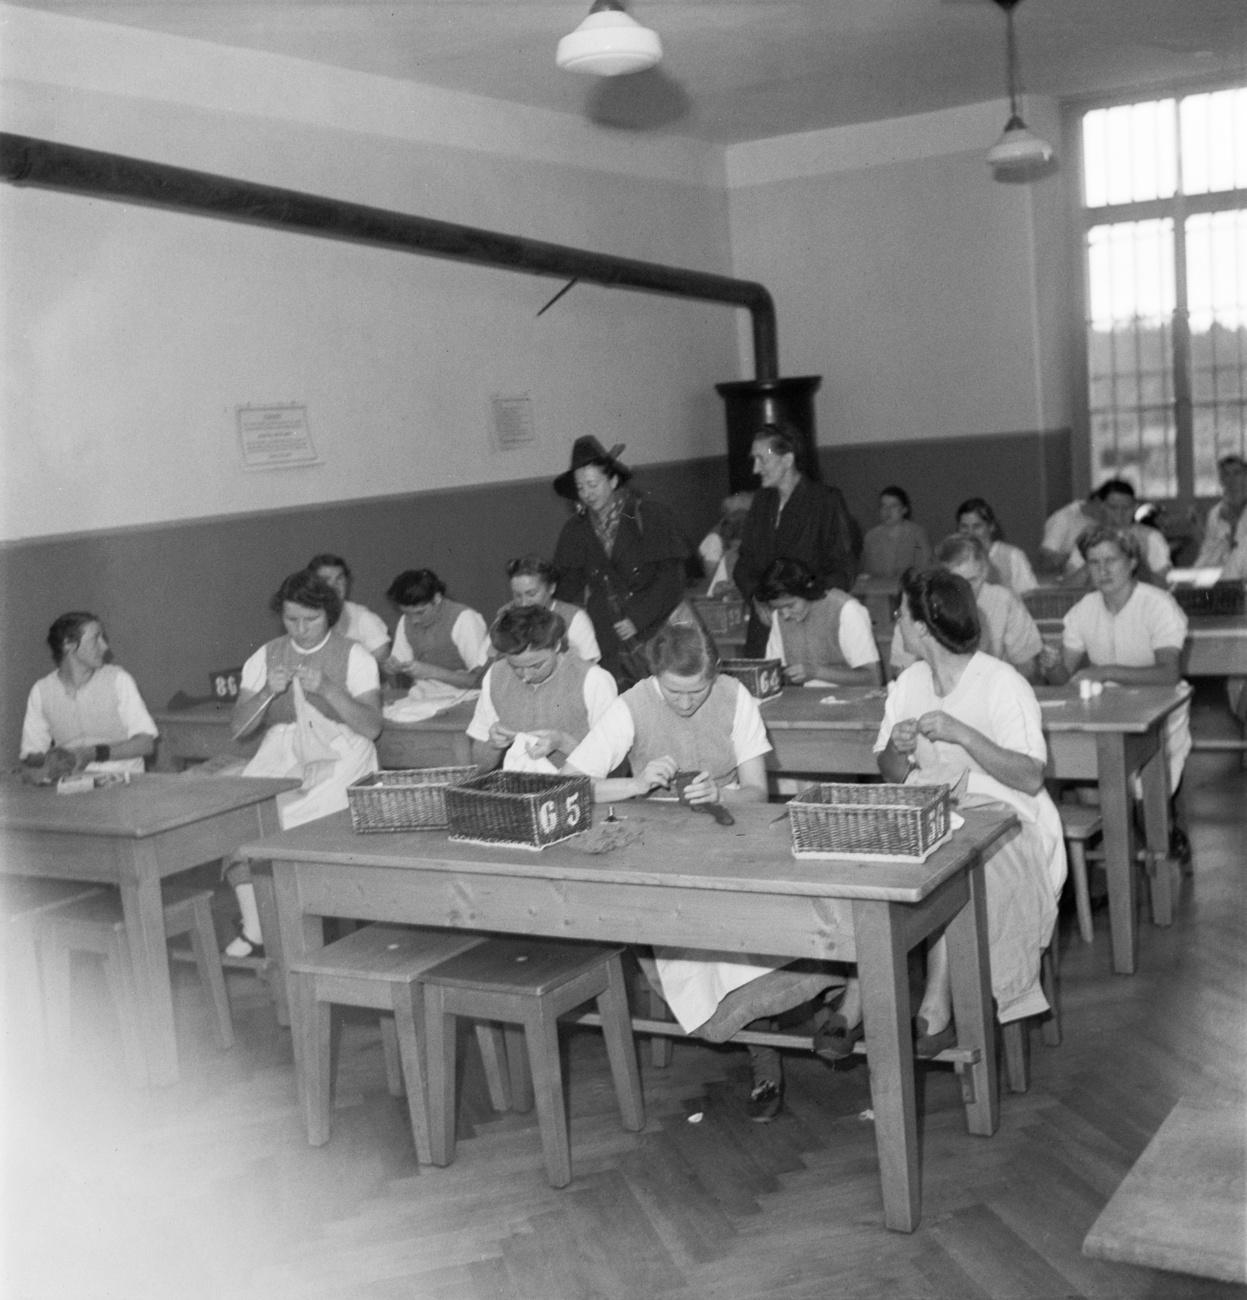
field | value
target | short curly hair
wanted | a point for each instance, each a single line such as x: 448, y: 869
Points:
x: 311, y: 591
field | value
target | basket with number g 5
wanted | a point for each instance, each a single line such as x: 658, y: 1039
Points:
x: 762, y: 678
x: 869, y: 821
x: 527, y: 810
x: 410, y: 800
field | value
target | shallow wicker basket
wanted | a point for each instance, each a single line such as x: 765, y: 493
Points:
x: 762, y: 678
x: 410, y: 800
x: 521, y: 809
x: 1053, y: 602
x: 869, y: 821
x: 722, y: 616
x: 1219, y: 598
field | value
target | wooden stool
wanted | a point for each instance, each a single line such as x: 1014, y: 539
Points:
x: 1079, y: 824
x: 380, y: 967
x: 1014, y: 1035
x: 96, y: 924
x: 530, y: 983
x: 23, y: 899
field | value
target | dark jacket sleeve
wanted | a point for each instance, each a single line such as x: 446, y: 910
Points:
x: 571, y: 562
x: 656, y: 583
x: 754, y: 554
x: 837, y: 566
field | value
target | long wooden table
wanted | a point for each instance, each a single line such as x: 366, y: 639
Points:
x: 687, y: 882
x: 1107, y: 740
x: 201, y: 732
x: 133, y: 836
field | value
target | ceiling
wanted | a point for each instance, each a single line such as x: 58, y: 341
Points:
x: 733, y: 70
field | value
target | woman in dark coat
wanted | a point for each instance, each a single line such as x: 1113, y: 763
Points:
x: 791, y: 518
x: 621, y: 556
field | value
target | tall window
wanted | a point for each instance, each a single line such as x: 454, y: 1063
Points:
x: 1164, y: 200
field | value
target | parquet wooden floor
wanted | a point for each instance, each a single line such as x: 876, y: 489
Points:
x: 208, y: 1191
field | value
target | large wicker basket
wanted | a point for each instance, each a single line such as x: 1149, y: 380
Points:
x: 722, y: 616
x: 869, y: 821
x: 762, y: 678
x: 410, y: 800
x: 1219, y: 598
x: 520, y: 809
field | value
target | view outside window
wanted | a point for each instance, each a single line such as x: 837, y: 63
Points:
x: 1165, y: 240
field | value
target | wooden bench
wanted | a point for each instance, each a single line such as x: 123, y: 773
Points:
x: 1180, y: 1208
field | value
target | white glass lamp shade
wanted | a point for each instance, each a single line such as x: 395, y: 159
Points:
x: 1018, y: 149
x: 607, y: 44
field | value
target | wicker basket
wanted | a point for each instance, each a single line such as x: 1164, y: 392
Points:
x: 723, y: 616
x: 869, y: 821
x: 522, y: 809
x: 1219, y: 598
x: 1053, y: 602
x: 412, y: 800
x: 762, y: 678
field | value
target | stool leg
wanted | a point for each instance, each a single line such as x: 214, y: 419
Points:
x: 315, y: 1025
x: 660, y: 1046
x: 208, y: 960
x: 1082, y: 898
x: 390, y: 1050
x: 495, y: 1059
x: 120, y: 976
x: 621, y: 1047
x: 1016, y: 1072
x: 439, y: 1030
x: 542, y: 1032
x: 409, y: 1030
x: 1049, y: 979
x: 521, y: 1076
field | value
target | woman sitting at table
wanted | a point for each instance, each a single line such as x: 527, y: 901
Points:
x: 537, y: 698
x: 437, y: 639
x: 533, y: 582
x: 358, y: 623
x: 962, y: 718
x: 895, y: 543
x: 1009, y: 564
x: 318, y: 697
x: 686, y: 718
x: 1007, y: 629
x: 87, y: 714
x: 818, y: 635
x: 1128, y: 632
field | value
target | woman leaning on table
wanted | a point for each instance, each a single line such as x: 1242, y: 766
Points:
x: 311, y: 667
x: 688, y: 718
x: 1128, y: 632
x: 961, y: 718
x: 621, y: 555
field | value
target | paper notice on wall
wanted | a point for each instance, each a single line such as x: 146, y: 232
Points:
x: 513, y: 422
x: 275, y: 437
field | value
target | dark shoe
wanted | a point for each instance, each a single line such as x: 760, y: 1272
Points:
x: 1179, y: 845
x: 834, y: 1037
x: 927, y: 1045
x: 765, y: 1101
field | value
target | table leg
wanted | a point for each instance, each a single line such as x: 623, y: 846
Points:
x: 970, y: 972
x: 882, y: 963
x: 1155, y: 778
x: 1119, y: 850
x: 143, y: 909
x: 300, y: 935
x: 270, y: 927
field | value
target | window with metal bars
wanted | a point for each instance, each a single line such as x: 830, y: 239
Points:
x: 1164, y: 215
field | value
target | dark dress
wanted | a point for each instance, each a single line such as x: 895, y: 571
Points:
x: 815, y: 527
x: 642, y: 578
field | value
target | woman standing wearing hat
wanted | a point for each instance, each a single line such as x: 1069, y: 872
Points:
x: 621, y: 556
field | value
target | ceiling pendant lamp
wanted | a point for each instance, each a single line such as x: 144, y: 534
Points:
x: 609, y: 43
x: 1019, y: 153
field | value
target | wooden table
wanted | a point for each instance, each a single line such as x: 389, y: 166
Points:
x: 133, y: 836
x: 1216, y: 647
x: 1108, y: 740
x: 202, y: 731
x: 687, y: 882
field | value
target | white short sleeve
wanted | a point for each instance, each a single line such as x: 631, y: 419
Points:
x: 365, y: 627
x: 134, y: 715
x: 254, y: 672
x: 400, y: 647
x: 362, y: 673
x: 775, y: 643
x: 36, y: 734
x: 471, y: 637
x: 600, y: 693
x: 857, y: 637
x: 582, y: 639
x: 485, y: 715
x: 748, y: 730
x: 607, y: 745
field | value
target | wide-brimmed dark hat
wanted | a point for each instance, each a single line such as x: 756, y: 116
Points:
x: 588, y: 451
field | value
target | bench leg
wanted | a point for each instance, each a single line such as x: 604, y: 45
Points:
x: 621, y: 1047
x: 408, y: 1026
x: 1082, y: 895
x: 393, y: 1063
x: 208, y: 961
x: 542, y: 1032
x: 439, y: 1030
x: 315, y: 1024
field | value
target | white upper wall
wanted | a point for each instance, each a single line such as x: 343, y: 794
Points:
x: 130, y: 335
x: 930, y: 297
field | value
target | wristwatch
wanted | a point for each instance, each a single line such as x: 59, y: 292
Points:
x: 103, y: 753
